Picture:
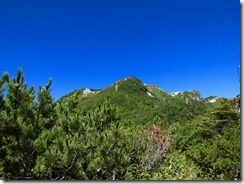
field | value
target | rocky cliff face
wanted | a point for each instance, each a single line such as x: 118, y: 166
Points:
x: 86, y: 91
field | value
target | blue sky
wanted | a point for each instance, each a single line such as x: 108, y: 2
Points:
x: 178, y: 45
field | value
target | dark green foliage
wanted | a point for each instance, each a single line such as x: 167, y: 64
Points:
x: 124, y: 132
x: 16, y: 128
x: 22, y: 121
x: 212, y: 141
x: 93, y: 146
x: 219, y: 157
x: 180, y: 108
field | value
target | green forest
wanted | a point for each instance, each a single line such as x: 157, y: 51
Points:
x: 126, y: 131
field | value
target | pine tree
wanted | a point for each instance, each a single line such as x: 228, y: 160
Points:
x: 23, y: 119
x: 2, y: 125
x: 17, y: 129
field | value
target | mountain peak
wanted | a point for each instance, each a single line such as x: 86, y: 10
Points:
x: 125, y: 79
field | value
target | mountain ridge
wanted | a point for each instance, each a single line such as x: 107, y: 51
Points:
x: 149, y: 87
x: 138, y: 102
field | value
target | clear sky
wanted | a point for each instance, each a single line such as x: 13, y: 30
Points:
x: 176, y: 44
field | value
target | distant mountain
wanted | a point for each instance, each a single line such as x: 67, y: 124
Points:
x: 192, y: 94
x: 139, y: 103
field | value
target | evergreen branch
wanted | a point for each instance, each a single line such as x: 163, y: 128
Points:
x: 72, y: 163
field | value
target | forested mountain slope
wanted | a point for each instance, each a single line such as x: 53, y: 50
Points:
x: 126, y: 131
x: 141, y: 104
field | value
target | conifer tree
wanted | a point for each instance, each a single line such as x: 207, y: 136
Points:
x: 59, y: 147
x: 22, y: 121
x: 17, y: 129
x: 2, y: 124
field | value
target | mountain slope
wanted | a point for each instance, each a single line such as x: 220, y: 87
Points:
x: 139, y: 104
x: 129, y: 95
